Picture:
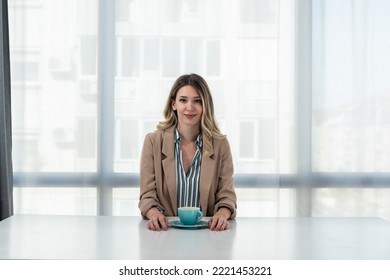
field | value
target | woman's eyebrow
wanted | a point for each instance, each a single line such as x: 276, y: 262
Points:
x: 186, y: 97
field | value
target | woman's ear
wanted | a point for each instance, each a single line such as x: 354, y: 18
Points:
x: 173, y: 104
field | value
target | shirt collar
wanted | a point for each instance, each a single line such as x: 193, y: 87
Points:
x: 176, y: 138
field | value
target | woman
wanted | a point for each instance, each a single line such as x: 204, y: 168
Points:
x: 187, y: 161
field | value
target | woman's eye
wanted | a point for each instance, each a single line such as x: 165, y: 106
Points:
x: 198, y: 101
x: 182, y: 100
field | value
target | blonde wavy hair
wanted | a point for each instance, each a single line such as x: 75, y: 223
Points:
x: 209, y: 127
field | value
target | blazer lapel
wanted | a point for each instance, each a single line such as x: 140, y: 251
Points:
x: 206, y: 176
x: 168, y: 163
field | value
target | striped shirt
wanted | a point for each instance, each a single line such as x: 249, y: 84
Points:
x: 188, y: 184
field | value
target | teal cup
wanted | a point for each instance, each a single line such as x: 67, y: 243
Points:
x: 189, y: 215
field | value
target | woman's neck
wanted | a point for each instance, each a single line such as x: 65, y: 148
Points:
x: 188, y: 134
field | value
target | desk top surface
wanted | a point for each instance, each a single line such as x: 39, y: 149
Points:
x: 102, y: 237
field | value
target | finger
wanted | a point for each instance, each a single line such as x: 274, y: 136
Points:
x: 163, y: 222
x: 154, y: 224
x: 220, y: 225
x: 213, y: 223
x: 151, y: 226
x: 225, y: 226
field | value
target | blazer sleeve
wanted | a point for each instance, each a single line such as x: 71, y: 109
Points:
x: 148, y: 186
x: 225, y: 195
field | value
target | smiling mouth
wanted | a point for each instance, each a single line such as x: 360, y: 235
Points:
x: 190, y: 116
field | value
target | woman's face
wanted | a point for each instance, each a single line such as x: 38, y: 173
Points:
x: 188, y: 105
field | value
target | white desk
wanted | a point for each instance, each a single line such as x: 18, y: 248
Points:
x: 86, y: 237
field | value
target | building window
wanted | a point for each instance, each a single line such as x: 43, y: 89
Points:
x: 88, y: 55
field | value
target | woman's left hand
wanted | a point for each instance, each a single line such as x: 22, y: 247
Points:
x: 220, y: 221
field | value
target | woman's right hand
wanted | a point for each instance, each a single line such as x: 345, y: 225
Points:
x: 157, y: 220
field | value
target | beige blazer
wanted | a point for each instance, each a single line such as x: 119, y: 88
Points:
x: 158, y: 176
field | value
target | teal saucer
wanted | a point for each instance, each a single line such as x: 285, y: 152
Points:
x: 198, y: 225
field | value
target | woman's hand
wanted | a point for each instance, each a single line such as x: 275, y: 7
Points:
x: 220, y: 219
x: 157, y: 220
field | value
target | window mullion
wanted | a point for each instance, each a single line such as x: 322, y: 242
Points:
x: 303, y: 86
x: 106, y: 95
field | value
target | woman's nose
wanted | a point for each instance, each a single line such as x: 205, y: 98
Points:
x: 190, y: 105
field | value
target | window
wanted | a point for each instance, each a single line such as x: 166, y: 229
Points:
x: 129, y: 61
x: 88, y: 55
x: 171, y: 53
x: 253, y: 11
x: 80, y: 147
x: 181, y: 10
x: 213, y: 58
x: 122, y: 10
x: 151, y: 56
x: 86, y: 138
x: 299, y: 112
